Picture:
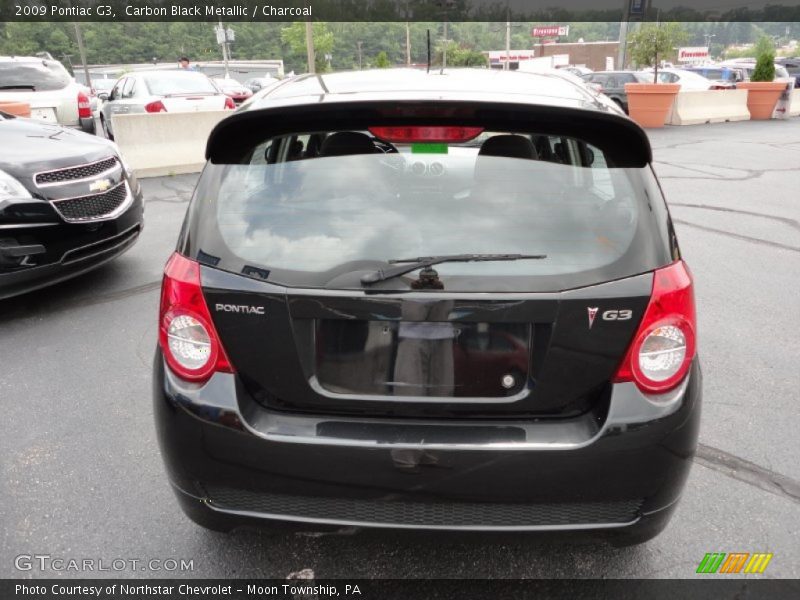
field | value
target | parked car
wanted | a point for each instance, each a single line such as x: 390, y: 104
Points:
x: 161, y: 91
x: 612, y: 84
x: 579, y: 71
x: 387, y: 309
x: 52, y: 93
x: 67, y: 204
x: 747, y: 66
x: 688, y: 80
x: 257, y: 83
x: 101, y: 87
x: 233, y: 89
x: 792, y: 66
x: 719, y: 75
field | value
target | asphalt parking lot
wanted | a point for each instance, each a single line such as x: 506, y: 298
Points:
x: 81, y: 476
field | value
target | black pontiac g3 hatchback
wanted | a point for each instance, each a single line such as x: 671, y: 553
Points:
x: 432, y: 301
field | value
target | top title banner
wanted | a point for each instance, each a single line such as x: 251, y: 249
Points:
x: 543, y: 11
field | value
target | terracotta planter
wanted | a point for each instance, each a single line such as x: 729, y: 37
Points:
x: 649, y: 103
x: 762, y: 96
x: 19, y: 109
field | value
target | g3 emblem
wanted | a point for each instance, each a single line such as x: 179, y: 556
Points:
x: 609, y: 315
x: 617, y: 315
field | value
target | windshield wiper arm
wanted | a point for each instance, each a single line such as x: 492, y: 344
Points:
x: 422, y: 262
x: 18, y: 87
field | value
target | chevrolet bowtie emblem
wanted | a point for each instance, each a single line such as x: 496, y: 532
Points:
x: 101, y: 185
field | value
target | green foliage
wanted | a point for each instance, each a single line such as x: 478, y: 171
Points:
x: 295, y: 36
x: 765, y: 61
x: 382, y: 60
x: 653, y: 42
x: 115, y: 43
x: 459, y: 56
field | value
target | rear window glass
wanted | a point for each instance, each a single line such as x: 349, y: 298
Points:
x: 318, y: 208
x: 175, y: 82
x: 39, y: 76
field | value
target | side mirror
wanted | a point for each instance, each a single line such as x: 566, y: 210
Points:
x: 103, y: 96
x: 589, y: 156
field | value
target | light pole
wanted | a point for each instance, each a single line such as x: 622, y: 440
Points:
x: 708, y: 37
x: 359, y: 54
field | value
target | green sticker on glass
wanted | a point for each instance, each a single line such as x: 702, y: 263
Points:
x: 428, y: 148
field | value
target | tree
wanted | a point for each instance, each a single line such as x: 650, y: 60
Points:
x: 382, y: 61
x: 295, y: 37
x: 459, y: 56
x: 655, y: 41
x: 765, y: 61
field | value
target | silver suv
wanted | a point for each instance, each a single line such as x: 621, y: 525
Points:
x: 54, y: 96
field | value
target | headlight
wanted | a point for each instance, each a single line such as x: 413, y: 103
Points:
x: 122, y: 161
x: 11, y: 188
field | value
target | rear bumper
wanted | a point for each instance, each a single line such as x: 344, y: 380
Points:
x: 231, y: 460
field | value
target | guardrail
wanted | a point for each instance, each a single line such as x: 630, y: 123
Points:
x: 712, y: 106
x: 157, y: 144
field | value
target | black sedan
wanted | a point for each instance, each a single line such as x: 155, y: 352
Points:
x: 68, y: 204
x: 429, y: 301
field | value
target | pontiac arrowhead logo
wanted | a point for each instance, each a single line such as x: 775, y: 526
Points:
x: 101, y: 185
x: 592, y: 314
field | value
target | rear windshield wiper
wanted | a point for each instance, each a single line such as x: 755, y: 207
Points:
x: 18, y: 87
x: 422, y: 262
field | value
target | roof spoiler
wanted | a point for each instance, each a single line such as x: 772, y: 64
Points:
x: 624, y: 143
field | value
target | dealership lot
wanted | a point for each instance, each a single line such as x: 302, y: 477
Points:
x: 82, y: 477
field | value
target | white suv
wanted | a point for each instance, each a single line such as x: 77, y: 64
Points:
x: 45, y: 84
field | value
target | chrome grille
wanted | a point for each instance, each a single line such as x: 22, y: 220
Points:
x: 96, y: 206
x: 75, y: 173
x: 422, y: 514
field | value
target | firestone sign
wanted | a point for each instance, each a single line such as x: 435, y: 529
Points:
x: 693, y: 54
x: 550, y: 31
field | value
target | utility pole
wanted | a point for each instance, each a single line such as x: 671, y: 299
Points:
x: 310, y: 47
x: 82, y: 52
x: 359, y: 54
x: 444, y: 46
x: 222, y: 38
x: 507, y: 65
x: 408, y: 45
x: 623, y: 41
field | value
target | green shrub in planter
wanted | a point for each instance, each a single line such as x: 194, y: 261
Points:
x: 765, y: 61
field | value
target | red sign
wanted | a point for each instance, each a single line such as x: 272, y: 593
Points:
x: 692, y: 53
x: 550, y: 31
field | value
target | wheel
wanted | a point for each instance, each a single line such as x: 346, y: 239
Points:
x: 106, y: 132
x: 618, y: 102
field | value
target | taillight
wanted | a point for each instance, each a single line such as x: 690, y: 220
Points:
x: 155, y: 107
x: 229, y: 103
x: 84, y: 106
x: 664, y: 346
x: 186, y: 334
x: 426, y: 134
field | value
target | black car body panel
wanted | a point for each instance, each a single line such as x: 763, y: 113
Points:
x: 84, y: 208
x: 483, y: 396
x: 322, y: 365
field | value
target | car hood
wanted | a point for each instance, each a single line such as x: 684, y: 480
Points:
x: 29, y: 147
